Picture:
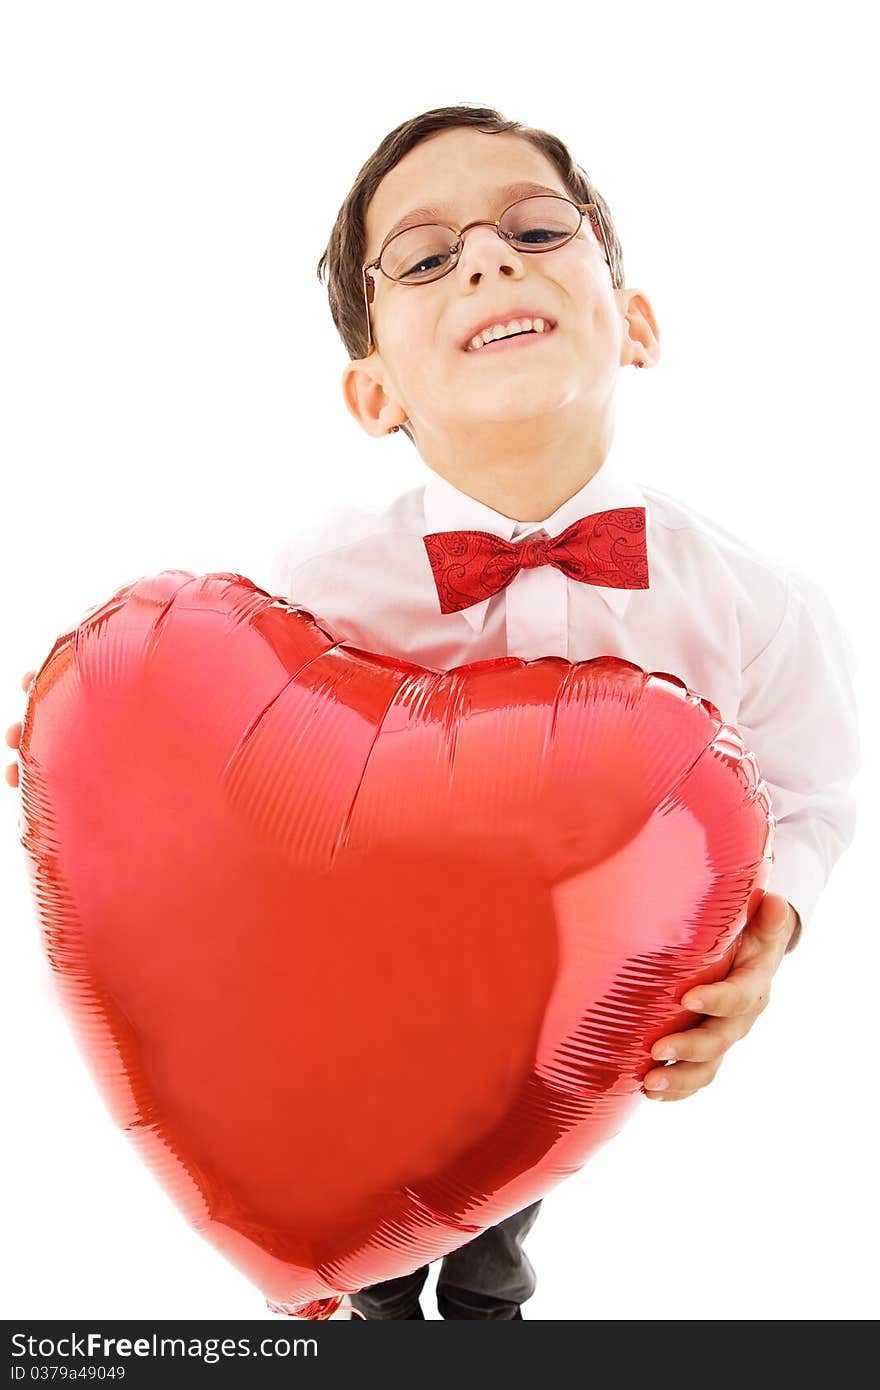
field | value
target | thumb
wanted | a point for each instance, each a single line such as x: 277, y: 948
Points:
x: 774, y: 917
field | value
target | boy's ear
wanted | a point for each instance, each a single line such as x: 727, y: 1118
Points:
x: 366, y: 398
x: 642, y: 337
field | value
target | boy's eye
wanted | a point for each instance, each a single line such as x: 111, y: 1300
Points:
x: 419, y: 253
x: 540, y: 234
x: 426, y: 264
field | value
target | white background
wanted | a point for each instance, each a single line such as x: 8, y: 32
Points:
x: 171, y: 398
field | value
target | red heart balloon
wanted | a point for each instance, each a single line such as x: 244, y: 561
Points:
x: 365, y: 956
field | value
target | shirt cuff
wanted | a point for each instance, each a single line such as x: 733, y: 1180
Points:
x: 799, y: 876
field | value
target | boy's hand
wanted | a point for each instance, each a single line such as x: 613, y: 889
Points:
x: 732, y: 1005
x: 13, y: 735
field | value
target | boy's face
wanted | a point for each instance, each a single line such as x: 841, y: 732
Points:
x: 420, y: 370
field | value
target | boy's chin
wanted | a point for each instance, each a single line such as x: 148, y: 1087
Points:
x: 487, y: 420
x: 529, y: 401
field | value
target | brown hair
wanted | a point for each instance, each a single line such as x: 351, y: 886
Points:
x: 345, y: 251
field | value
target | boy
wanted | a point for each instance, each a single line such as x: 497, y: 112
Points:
x: 518, y: 435
x: 519, y: 438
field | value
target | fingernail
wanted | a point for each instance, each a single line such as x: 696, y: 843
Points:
x: 661, y: 1084
x: 695, y: 1003
x: 664, y: 1054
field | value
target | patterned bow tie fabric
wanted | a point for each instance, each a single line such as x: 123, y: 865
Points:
x: 606, y: 548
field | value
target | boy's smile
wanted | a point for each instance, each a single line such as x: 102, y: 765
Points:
x: 527, y: 427
x: 520, y: 327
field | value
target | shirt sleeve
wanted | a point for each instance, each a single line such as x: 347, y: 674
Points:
x: 290, y: 558
x: 798, y: 715
x: 310, y: 549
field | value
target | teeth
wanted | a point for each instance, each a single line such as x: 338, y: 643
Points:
x: 501, y: 330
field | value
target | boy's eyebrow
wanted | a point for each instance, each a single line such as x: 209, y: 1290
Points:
x: 508, y: 194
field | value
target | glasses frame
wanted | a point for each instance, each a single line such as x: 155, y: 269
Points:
x: 455, y: 248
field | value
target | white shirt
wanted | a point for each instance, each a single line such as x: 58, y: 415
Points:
x: 759, y: 641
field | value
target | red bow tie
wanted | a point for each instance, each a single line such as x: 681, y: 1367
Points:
x: 607, y: 548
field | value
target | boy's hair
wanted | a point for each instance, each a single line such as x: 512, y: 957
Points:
x: 345, y: 252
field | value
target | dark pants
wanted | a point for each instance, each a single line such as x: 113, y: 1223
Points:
x: 489, y: 1277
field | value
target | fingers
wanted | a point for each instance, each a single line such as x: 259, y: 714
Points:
x: 743, y: 992
x: 681, y: 1080
x: 758, y: 957
x: 13, y: 735
x: 707, y: 1043
x: 696, y: 1055
x: 13, y: 738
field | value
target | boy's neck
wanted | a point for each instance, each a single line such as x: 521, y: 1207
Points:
x: 525, y: 483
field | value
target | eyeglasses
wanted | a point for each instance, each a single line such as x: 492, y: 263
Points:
x: 419, y: 255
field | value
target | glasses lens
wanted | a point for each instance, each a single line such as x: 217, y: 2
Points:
x: 419, y: 254
x: 540, y: 223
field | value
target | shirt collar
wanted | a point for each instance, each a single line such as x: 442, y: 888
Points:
x: 447, y: 508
